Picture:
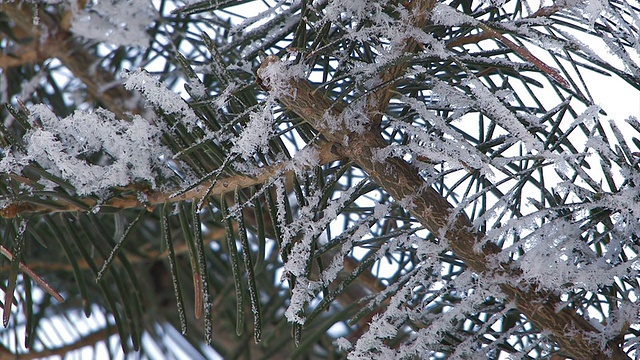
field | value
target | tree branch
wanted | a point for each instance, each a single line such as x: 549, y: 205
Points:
x: 573, y: 334
x: 377, y: 100
x: 133, y: 200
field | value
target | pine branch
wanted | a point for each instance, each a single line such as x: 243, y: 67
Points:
x: 130, y: 198
x: 403, y: 183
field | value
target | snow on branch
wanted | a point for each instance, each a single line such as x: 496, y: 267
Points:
x: 128, y: 151
x: 160, y: 96
x: 452, y: 226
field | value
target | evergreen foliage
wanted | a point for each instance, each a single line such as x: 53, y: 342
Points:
x: 318, y: 179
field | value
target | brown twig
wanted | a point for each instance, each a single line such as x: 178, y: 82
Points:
x: 40, y: 281
x: 527, y: 55
x: 377, y: 99
x: 547, y: 11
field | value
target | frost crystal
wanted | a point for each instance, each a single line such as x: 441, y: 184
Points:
x: 255, y: 136
x: 448, y: 16
x: 277, y: 76
x: 343, y: 344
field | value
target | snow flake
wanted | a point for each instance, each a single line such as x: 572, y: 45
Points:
x: 343, y: 344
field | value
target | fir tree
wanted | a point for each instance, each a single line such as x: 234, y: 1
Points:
x: 318, y: 179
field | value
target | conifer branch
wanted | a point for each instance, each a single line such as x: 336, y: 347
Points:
x: 574, y: 335
x: 133, y: 197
